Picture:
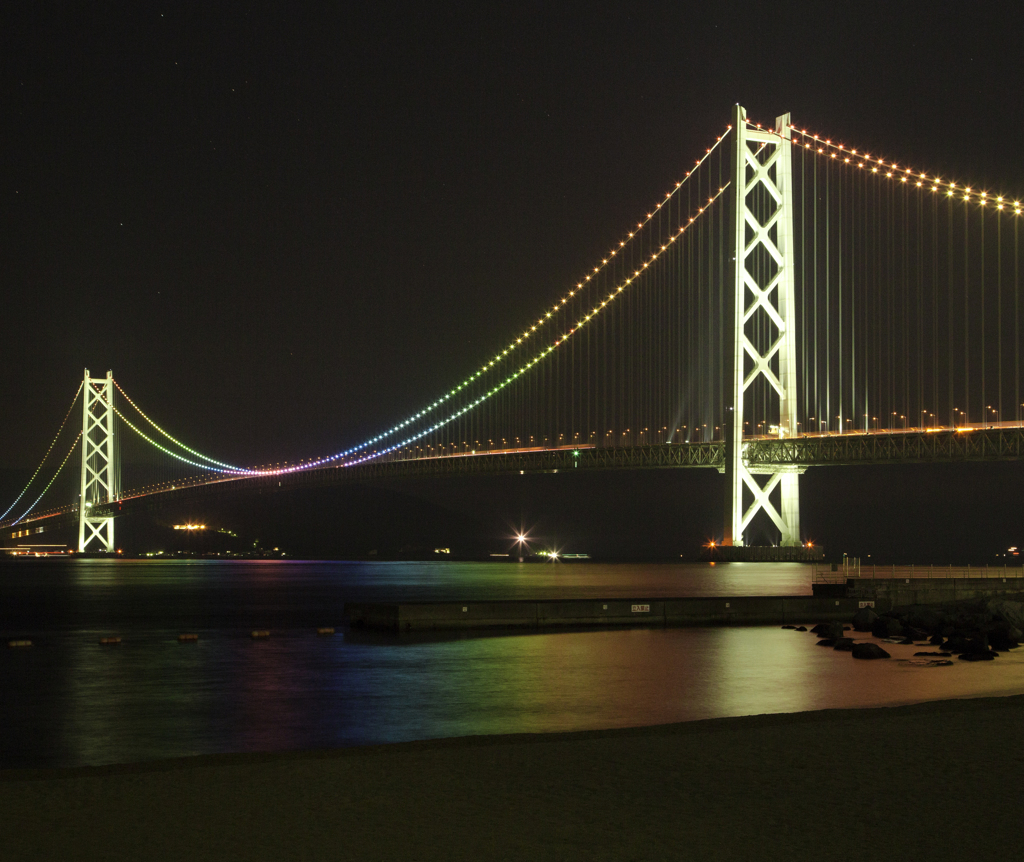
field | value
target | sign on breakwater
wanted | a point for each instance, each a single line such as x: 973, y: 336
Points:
x: 590, y: 613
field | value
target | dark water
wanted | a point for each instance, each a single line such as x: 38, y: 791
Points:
x: 68, y: 701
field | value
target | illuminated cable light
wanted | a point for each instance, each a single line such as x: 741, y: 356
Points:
x: 936, y: 180
x: 471, y: 405
x: 526, y: 335
x: 53, y: 443
x: 164, y: 449
x: 238, y: 471
x: 54, y: 479
x: 168, y: 436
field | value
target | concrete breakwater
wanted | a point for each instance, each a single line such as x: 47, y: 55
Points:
x: 584, y: 613
x: 831, y: 601
x: 896, y: 592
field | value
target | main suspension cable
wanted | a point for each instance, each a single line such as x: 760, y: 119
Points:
x: 537, y: 358
x: 229, y: 467
x: 74, y: 401
x: 74, y: 445
x: 545, y: 319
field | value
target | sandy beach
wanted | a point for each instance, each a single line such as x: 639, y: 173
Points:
x: 935, y: 780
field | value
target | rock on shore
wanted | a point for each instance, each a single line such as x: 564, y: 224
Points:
x: 974, y: 630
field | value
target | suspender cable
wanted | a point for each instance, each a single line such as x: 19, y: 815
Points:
x: 905, y: 218
x: 828, y: 298
x: 967, y: 319
x: 891, y: 412
x: 935, y: 307
x: 839, y: 288
x: 999, y: 313
x: 803, y: 284
x: 981, y: 286
x: 949, y: 305
x: 920, y: 416
x: 814, y: 219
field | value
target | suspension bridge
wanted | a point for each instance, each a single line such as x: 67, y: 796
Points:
x: 793, y: 301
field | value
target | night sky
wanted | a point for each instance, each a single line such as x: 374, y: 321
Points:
x: 284, y: 229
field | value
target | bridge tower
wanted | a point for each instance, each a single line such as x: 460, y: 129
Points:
x: 99, y: 473
x: 760, y: 341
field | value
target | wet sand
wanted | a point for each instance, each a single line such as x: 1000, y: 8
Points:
x: 936, y: 780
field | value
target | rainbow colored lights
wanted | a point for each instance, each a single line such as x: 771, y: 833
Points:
x: 364, y: 451
x: 345, y: 456
x: 520, y: 340
x: 227, y: 467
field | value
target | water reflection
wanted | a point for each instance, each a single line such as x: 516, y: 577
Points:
x: 111, y: 592
x: 156, y: 698
x: 70, y: 701
x: 767, y: 673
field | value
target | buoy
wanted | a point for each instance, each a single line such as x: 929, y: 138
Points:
x: 260, y: 633
x: 187, y: 638
x: 109, y: 641
x: 325, y: 631
x: 19, y: 643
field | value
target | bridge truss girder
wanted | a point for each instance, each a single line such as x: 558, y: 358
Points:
x: 912, y: 447
x: 765, y: 456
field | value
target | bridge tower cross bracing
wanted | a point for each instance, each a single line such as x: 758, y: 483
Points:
x: 99, y: 482
x: 762, y: 267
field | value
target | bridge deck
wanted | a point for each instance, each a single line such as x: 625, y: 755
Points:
x: 912, y: 446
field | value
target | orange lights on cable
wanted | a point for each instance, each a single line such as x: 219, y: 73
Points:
x: 892, y: 170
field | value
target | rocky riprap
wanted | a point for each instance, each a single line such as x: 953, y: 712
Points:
x: 974, y: 630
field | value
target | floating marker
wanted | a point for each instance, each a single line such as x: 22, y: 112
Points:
x: 325, y: 631
x: 110, y: 641
x: 189, y: 638
x: 259, y: 633
x: 19, y: 643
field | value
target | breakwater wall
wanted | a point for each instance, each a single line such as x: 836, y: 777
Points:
x: 589, y: 613
x: 925, y: 590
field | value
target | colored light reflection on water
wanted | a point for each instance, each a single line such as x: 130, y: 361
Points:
x: 70, y: 701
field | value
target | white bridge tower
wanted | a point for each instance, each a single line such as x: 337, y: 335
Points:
x: 761, y: 325
x: 99, y: 471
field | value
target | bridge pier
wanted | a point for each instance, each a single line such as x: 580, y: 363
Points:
x: 790, y: 490
x: 760, y: 345
x: 99, y: 474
